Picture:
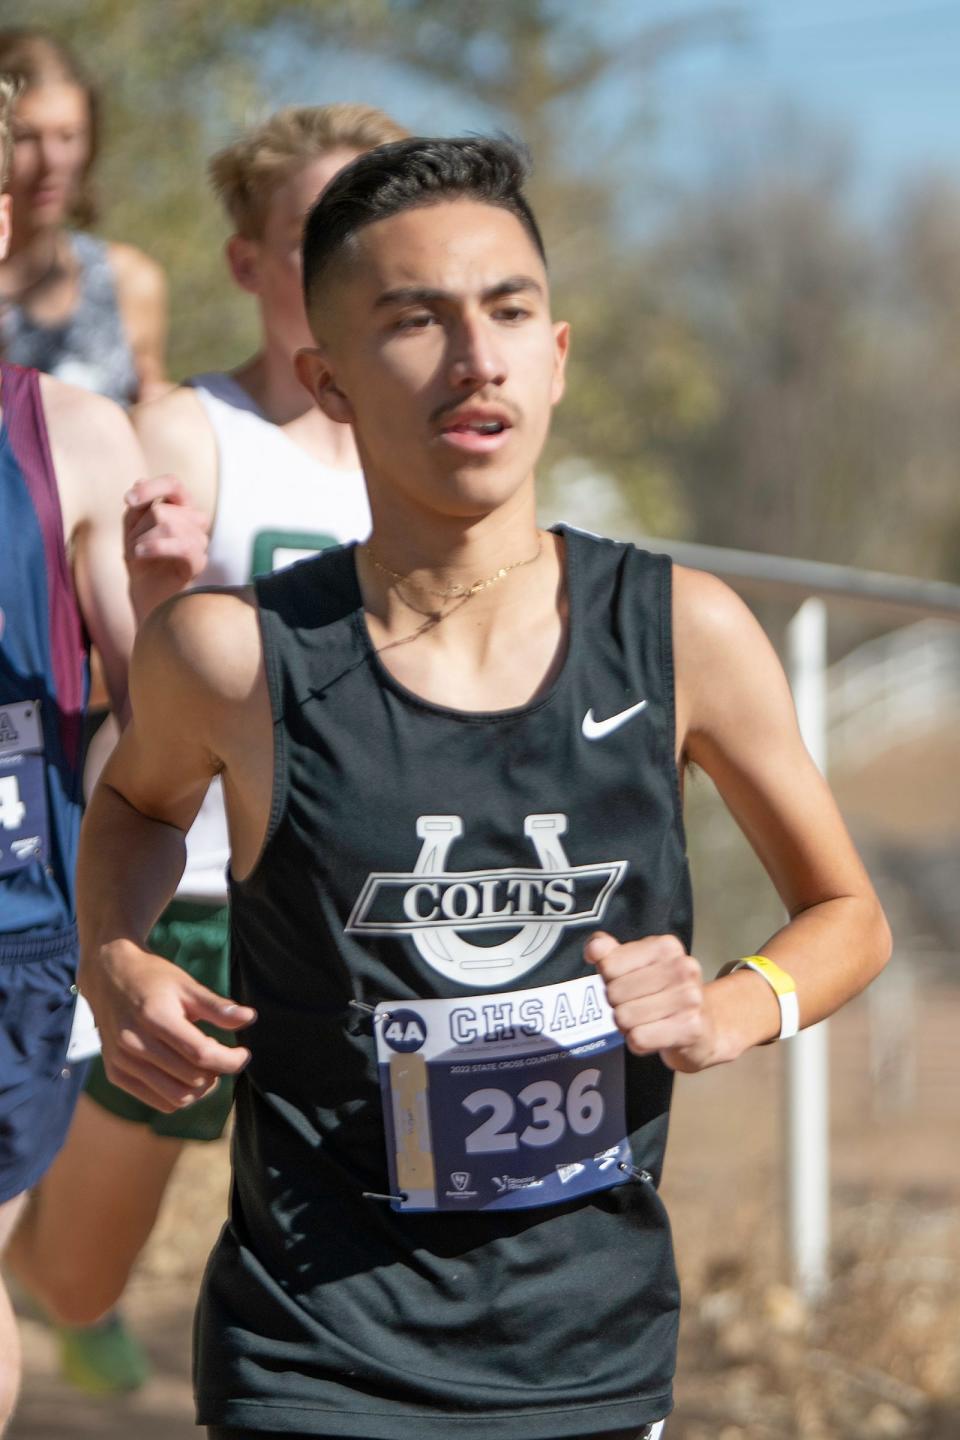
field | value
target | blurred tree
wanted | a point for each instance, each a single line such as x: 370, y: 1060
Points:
x: 838, y: 401
x: 539, y: 64
x: 177, y: 79
x: 637, y: 374
x: 775, y: 282
x: 923, y: 305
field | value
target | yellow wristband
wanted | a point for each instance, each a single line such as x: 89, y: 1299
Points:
x: 783, y: 986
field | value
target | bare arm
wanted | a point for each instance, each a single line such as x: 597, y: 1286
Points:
x: 195, y: 676
x: 142, y: 297
x: 96, y: 458
x: 98, y: 464
x: 168, y: 520
x: 177, y: 439
x: 736, y: 719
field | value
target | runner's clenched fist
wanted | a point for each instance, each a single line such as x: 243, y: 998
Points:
x: 165, y: 540
x: 656, y: 992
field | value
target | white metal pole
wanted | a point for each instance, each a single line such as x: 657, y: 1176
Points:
x: 807, y: 1115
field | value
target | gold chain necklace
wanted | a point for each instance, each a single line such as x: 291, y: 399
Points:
x: 455, y: 592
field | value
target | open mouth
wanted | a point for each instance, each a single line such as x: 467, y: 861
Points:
x: 476, y: 427
x: 476, y: 435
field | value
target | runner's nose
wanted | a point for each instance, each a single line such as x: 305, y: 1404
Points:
x: 476, y: 357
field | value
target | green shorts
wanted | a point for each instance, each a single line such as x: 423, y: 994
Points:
x: 197, y: 938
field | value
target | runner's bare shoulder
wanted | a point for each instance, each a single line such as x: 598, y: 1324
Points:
x: 731, y: 692
x: 704, y: 605
x: 95, y: 453
x: 78, y: 417
x: 207, y: 641
x: 139, y: 279
x: 177, y: 439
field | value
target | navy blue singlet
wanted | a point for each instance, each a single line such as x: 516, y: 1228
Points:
x: 43, y: 664
x: 43, y: 691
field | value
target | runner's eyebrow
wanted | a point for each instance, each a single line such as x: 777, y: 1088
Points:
x: 514, y: 285
x: 429, y: 294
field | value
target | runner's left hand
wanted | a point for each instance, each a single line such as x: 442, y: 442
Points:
x: 165, y: 541
x: 656, y: 992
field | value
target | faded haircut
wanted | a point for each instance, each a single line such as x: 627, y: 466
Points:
x: 408, y: 175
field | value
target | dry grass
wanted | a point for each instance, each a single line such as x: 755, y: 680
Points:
x: 880, y: 1358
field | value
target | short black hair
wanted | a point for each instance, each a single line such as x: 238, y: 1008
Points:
x: 408, y: 174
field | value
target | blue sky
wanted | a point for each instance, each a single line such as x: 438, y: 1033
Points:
x: 883, y: 73
x: 881, y: 76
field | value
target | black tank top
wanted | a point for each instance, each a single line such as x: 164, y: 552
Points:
x: 401, y: 865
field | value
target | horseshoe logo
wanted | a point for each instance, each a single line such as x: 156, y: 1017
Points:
x: 438, y: 908
x: 444, y: 947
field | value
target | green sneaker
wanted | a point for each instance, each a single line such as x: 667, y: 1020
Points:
x: 102, y: 1359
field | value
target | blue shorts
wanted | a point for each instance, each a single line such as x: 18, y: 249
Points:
x: 38, y: 1089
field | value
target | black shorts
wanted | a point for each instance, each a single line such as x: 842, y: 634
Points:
x: 38, y: 1089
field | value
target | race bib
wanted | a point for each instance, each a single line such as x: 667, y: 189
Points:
x: 504, y: 1101
x: 24, y: 824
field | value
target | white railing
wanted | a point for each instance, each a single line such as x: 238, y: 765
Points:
x: 893, y: 688
x: 806, y: 1154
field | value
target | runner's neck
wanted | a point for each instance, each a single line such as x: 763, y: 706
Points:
x: 497, y: 649
x: 270, y: 381
x: 435, y: 551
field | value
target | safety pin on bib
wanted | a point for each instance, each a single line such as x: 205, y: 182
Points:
x: 370, y: 1010
x: 634, y: 1173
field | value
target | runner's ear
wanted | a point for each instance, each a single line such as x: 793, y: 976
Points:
x: 561, y: 349
x: 242, y: 255
x: 314, y: 373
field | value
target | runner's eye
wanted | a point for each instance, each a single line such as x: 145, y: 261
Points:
x: 419, y: 321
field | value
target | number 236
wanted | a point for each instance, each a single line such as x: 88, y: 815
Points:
x: 551, y: 1113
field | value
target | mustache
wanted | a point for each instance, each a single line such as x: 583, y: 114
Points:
x: 495, y: 402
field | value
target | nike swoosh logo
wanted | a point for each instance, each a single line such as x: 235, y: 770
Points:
x: 597, y: 729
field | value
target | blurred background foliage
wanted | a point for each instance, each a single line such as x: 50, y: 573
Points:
x: 754, y: 363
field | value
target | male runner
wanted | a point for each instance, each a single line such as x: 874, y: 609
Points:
x: 452, y: 763
x: 274, y: 477
x: 66, y: 460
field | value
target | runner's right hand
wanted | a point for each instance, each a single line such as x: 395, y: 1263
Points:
x: 148, y: 1010
x: 165, y: 541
